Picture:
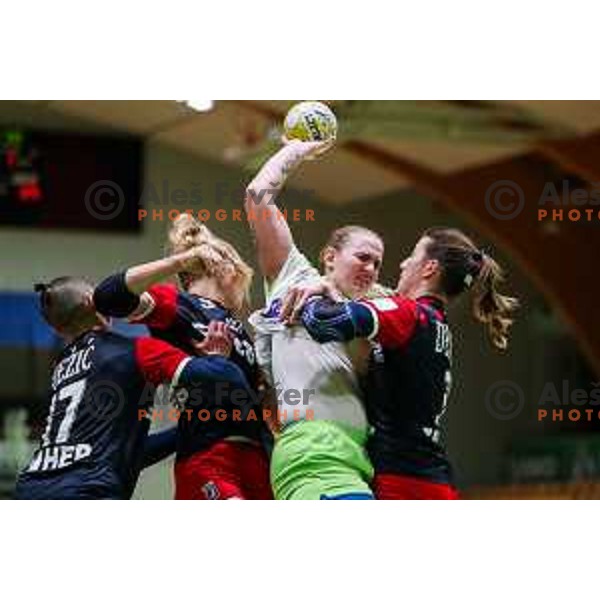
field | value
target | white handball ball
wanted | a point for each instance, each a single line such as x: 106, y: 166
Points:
x: 310, y: 122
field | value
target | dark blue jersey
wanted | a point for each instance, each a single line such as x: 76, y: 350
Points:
x: 408, y: 380
x: 407, y: 387
x: 93, y: 443
x: 180, y: 318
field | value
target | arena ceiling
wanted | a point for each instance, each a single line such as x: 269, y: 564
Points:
x: 380, y: 142
x: 454, y: 152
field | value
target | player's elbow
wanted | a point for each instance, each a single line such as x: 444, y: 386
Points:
x: 103, y: 298
x: 327, y: 321
x: 317, y: 328
x: 215, y: 368
x: 112, y: 298
x: 233, y: 374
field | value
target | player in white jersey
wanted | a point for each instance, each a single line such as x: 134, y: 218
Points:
x: 319, y: 452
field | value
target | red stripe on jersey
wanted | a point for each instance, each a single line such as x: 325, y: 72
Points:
x: 397, y: 319
x: 163, y: 314
x: 157, y: 360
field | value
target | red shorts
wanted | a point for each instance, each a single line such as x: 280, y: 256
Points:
x: 402, y: 487
x: 226, y: 470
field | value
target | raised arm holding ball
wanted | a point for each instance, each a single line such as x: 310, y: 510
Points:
x: 320, y: 451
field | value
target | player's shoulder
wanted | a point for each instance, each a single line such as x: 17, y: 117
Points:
x: 392, y: 303
x: 296, y: 270
x: 205, y: 307
x: 110, y: 338
x: 110, y: 349
x: 162, y: 289
x: 164, y: 295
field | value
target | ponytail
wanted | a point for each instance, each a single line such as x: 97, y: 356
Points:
x: 187, y: 233
x: 490, y: 307
x: 214, y: 257
x: 465, y: 267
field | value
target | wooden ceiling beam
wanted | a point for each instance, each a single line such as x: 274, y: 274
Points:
x: 557, y: 262
x: 557, y: 259
x: 580, y: 156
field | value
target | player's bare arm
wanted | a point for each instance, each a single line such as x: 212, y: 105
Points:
x: 140, y: 277
x: 124, y: 294
x: 273, y: 236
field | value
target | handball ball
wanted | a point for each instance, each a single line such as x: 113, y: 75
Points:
x: 310, y: 122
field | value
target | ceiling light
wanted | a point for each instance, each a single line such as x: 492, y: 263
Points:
x: 199, y: 105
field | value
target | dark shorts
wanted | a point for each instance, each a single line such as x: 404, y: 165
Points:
x: 42, y: 490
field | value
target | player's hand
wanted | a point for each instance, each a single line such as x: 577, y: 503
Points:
x: 297, y: 297
x: 285, y: 161
x: 309, y: 150
x: 217, y: 342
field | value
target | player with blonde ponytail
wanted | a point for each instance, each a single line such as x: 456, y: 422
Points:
x: 208, y: 257
x: 221, y: 455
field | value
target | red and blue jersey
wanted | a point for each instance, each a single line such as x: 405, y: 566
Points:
x: 180, y: 318
x: 407, y: 387
x: 408, y: 380
x: 94, y: 439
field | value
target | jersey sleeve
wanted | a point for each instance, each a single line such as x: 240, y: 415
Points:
x: 329, y: 321
x: 297, y: 270
x: 113, y: 299
x: 213, y: 369
x: 158, y: 361
x: 395, y: 320
x: 159, y: 446
x: 157, y: 307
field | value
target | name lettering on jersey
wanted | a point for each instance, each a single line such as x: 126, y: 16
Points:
x: 77, y: 363
x: 443, y: 339
x: 58, y: 457
x: 205, y: 303
x: 377, y: 353
x: 241, y: 346
x: 234, y: 325
x: 245, y: 350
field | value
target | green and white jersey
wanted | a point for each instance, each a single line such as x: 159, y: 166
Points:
x: 313, y: 381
